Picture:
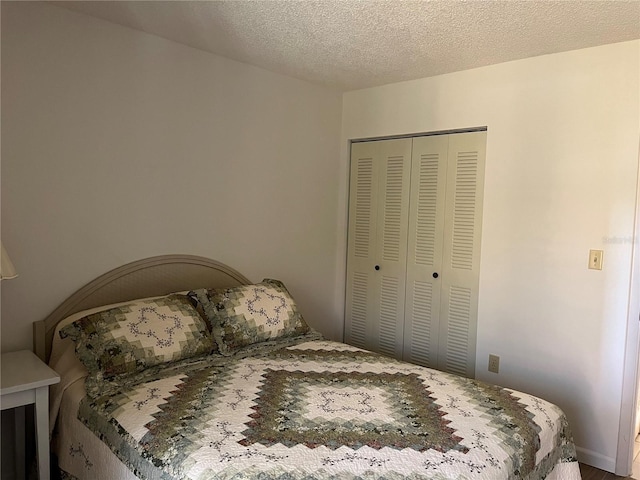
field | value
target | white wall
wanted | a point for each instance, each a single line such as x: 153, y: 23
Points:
x: 119, y: 145
x: 562, y: 162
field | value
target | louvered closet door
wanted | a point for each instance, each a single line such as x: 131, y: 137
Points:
x: 424, y: 254
x: 461, y: 253
x: 377, y: 245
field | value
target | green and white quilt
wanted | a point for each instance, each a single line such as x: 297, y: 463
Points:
x: 307, y: 408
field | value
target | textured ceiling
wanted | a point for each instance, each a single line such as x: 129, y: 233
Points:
x: 351, y: 44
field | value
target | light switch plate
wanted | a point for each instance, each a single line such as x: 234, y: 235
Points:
x: 595, y: 259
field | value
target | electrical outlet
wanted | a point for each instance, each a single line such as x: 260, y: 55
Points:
x: 494, y: 363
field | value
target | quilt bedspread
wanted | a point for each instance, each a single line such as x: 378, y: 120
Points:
x: 319, y: 409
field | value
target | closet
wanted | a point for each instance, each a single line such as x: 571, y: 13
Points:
x: 413, y: 250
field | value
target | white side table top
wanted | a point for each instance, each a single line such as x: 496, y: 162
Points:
x: 23, y: 370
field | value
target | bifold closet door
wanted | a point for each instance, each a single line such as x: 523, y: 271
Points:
x: 443, y: 258
x: 425, y: 248
x: 413, y: 252
x: 377, y: 245
x: 461, y: 253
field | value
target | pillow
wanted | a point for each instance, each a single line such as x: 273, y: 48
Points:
x: 141, y: 334
x: 248, y: 314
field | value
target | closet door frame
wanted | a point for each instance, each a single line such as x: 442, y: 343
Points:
x: 370, y: 298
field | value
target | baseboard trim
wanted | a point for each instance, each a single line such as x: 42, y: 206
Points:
x: 608, y: 464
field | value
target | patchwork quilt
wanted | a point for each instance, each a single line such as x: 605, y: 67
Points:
x: 307, y: 408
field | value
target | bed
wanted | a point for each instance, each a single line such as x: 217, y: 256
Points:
x: 179, y: 367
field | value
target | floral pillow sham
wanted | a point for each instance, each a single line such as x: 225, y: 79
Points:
x: 133, y: 337
x: 249, y: 314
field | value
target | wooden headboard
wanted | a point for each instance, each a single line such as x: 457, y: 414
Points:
x: 149, y: 277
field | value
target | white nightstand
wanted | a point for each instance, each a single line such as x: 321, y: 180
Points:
x: 25, y: 380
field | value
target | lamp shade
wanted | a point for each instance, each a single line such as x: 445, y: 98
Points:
x: 7, y: 270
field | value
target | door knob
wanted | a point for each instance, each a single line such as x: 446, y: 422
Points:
x: 377, y: 267
x: 435, y: 274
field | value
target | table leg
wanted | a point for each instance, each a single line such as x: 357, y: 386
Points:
x: 19, y: 429
x: 42, y: 431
